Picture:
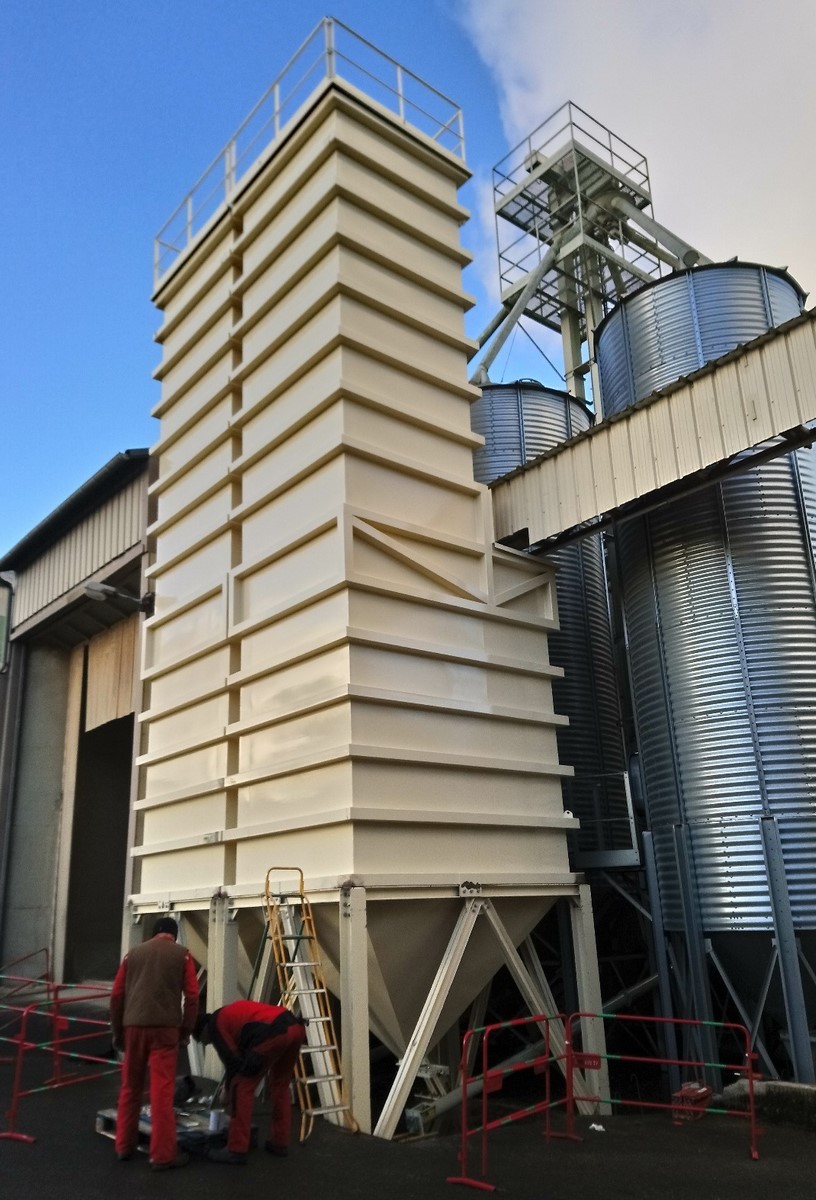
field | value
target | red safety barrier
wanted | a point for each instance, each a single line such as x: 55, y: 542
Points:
x: 693, y: 1099
x: 51, y: 1005
x: 23, y: 986
x: 690, y: 1102
x: 491, y: 1081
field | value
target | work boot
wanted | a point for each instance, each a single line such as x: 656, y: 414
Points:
x: 222, y: 1155
x: 276, y: 1149
x: 124, y: 1155
x: 180, y: 1160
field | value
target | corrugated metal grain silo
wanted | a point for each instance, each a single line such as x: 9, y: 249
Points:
x: 719, y: 598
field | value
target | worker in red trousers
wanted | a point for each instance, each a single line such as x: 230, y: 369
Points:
x: 253, y: 1040
x: 153, y: 1008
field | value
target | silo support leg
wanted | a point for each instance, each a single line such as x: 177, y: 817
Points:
x: 222, y: 966
x: 786, y: 944
x: 420, y: 1039
x: 354, y: 1004
x: 589, y: 986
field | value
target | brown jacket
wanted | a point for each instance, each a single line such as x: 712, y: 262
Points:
x: 151, y: 983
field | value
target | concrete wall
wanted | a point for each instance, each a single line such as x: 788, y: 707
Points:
x: 28, y: 909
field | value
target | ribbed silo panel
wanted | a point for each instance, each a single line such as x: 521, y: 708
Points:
x: 731, y: 877
x: 497, y: 418
x: 615, y: 364
x: 720, y: 610
x: 775, y: 591
x: 592, y: 741
x: 647, y: 675
x: 797, y: 833
x: 673, y: 327
x: 731, y: 307
x: 661, y: 350
x: 736, y: 667
x: 519, y: 421
x: 785, y: 301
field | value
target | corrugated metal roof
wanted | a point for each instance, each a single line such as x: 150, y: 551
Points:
x: 740, y: 401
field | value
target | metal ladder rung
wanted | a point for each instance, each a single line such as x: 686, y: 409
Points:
x: 317, y: 1049
x: 328, y: 1108
x: 316, y: 1080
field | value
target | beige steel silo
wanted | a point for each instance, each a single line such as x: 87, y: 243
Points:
x: 343, y: 672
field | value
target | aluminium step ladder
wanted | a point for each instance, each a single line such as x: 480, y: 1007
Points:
x: 291, y: 931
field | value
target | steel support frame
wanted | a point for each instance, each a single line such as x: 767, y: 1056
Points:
x: 661, y: 959
x: 538, y: 1000
x: 222, y: 965
x: 420, y: 1039
x: 695, y: 952
x: 788, y: 950
x: 589, y: 988
x: 752, y: 1026
x: 354, y: 1004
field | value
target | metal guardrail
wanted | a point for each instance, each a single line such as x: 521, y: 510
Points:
x: 332, y: 51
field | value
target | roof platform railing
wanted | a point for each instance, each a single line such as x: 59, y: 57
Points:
x: 331, y: 52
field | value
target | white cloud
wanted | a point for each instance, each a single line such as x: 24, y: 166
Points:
x: 720, y: 95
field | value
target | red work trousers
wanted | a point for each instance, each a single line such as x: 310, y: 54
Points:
x: 279, y: 1055
x: 156, y: 1049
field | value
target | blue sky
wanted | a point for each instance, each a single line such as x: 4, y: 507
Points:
x: 109, y: 112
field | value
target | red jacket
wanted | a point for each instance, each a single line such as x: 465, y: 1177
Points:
x: 241, y: 1033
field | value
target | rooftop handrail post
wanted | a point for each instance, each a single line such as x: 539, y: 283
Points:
x: 276, y: 107
x: 229, y: 166
x: 330, y: 54
x: 189, y: 217
x: 400, y: 94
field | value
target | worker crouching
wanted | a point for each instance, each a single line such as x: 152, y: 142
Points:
x: 253, y: 1040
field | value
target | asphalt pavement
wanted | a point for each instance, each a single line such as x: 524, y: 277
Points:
x: 633, y: 1157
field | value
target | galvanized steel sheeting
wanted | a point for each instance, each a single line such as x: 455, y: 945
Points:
x: 111, y: 530
x: 720, y: 603
x: 519, y: 421
x: 671, y: 329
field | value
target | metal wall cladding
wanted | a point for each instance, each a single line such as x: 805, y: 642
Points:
x: 592, y: 743
x: 720, y: 604
x: 519, y: 421
x: 674, y: 327
x: 110, y: 530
